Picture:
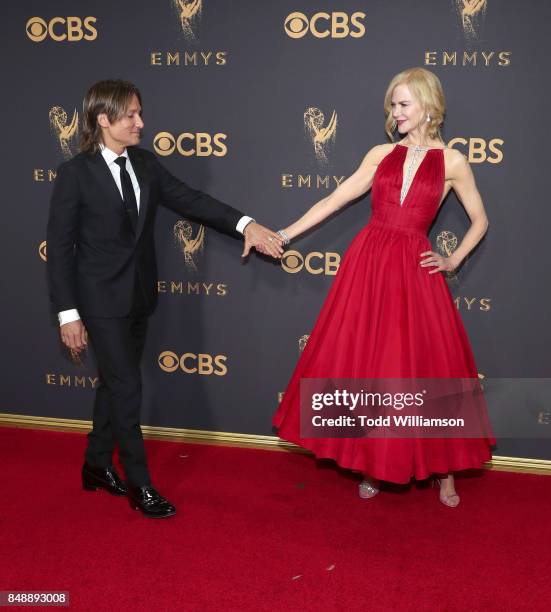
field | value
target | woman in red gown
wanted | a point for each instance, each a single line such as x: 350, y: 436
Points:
x: 389, y: 312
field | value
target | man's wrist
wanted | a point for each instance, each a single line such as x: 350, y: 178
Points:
x: 243, y: 222
x: 68, y: 316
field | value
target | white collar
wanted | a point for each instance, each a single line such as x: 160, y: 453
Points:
x: 110, y: 156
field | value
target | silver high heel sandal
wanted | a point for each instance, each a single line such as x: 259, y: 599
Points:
x: 366, y: 490
x: 451, y: 500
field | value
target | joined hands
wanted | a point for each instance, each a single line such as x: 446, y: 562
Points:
x: 263, y: 240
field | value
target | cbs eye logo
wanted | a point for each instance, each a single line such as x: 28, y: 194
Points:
x: 42, y: 251
x: 72, y: 29
x: 324, y: 25
x: 187, y: 144
x: 191, y: 363
x: 314, y: 263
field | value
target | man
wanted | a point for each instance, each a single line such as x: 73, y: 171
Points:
x: 102, y: 273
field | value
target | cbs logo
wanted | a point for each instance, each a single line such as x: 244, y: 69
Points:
x: 192, y: 363
x: 477, y: 149
x: 61, y: 28
x: 322, y: 25
x: 315, y: 262
x: 187, y: 144
x: 42, y: 251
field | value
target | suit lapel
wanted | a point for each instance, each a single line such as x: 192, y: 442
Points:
x: 103, y: 175
x: 144, y: 179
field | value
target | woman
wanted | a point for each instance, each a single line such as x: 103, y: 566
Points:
x: 389, y: 314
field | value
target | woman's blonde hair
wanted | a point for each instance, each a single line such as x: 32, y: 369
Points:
x: 426, y: 87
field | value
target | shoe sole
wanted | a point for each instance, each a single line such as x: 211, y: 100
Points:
x: 89, y: 487
x: 152, y: 515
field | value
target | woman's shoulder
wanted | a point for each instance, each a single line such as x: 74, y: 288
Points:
x: 456, y: 164
x: 454, y: 158
x: 383, y: 149
x: 378, y: 152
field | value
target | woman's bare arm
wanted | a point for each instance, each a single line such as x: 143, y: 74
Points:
x: 355, y: 185
x: 463, y: 183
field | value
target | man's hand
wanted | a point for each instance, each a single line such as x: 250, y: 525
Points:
x: 74, y: 336
x: 263, y: 240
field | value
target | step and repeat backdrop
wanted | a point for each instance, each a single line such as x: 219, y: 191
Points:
x: 269, y: 106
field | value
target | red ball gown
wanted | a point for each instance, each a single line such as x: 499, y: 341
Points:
x: 386, y: 317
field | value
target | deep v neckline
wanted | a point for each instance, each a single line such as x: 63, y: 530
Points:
x: 402, y: 177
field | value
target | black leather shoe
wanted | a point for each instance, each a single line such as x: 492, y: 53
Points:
x: 148, y: 500
x: 94, y: 478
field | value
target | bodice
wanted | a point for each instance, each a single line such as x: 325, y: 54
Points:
x: 420, y: 205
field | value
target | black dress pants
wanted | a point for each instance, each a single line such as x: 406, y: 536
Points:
x: 118, y: 346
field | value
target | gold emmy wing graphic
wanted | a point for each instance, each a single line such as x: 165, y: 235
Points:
x: 446, y: 243
x: 64, y: 133
x: 42, y: 251
x: 321, y: 136
x: 188, y: 12
x: 472, y: 12
x: 302, y: 342
x: 77, y: 357
x: 183, y: 234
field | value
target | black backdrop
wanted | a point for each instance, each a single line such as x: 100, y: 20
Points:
x: 229, y: 85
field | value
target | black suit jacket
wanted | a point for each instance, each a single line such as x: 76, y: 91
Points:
x: 93, y: 253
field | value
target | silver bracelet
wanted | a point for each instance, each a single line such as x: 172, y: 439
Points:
x: 283, y: 235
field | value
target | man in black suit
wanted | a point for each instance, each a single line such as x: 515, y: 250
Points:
x: 102, y: 272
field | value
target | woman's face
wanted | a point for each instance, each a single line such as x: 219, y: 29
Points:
x: 406, y: 110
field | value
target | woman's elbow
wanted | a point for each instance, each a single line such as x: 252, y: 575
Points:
x: 485, y: 223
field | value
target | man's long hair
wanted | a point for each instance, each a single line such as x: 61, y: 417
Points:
x: 111, y: 97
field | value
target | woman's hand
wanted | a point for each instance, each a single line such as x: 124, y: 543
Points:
x: 440, y: 264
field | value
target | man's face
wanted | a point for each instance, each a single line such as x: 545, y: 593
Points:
x: 125, y: 131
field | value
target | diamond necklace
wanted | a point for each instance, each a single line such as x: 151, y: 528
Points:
x: 409, y: 172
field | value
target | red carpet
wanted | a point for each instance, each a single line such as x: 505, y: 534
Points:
x: 259, y: 530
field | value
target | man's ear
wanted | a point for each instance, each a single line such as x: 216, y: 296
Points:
x: 102, y: 120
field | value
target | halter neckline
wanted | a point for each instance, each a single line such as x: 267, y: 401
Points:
x: 423, y: 148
